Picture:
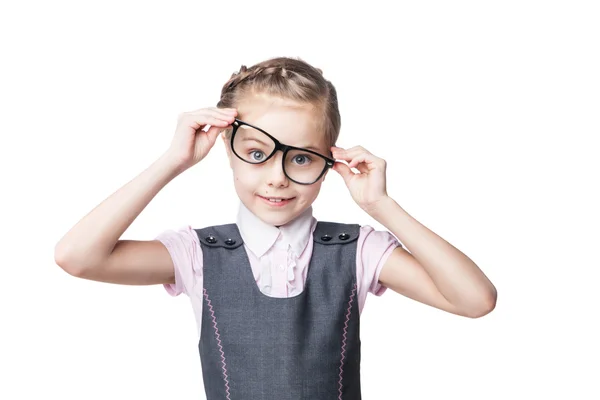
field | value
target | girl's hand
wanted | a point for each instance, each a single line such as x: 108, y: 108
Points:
x: 191, y: 143
x: 368, y: 186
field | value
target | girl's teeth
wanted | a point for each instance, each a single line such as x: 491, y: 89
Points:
x: 275, y: 200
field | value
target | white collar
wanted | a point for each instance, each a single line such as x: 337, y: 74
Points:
x: 260, y: 236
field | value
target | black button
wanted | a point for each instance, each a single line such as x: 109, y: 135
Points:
x: 344, y: 236
x: 230, y: 242
x: 326, y: 238
x: 211, y: 239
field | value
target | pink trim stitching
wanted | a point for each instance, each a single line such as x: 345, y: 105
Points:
x: 343, y: 356
x: 218, y: 337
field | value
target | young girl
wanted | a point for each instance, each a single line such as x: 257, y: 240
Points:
x: 277, y: 295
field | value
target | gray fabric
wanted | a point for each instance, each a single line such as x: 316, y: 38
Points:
x: 256, y: 347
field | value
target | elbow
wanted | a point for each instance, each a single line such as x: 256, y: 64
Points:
x: 66, y: 262
x: 484, y: 305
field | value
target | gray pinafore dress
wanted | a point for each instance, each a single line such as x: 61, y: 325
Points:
x: 256, y: 347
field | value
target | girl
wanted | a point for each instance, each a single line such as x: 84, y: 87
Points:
x: 277, y: 295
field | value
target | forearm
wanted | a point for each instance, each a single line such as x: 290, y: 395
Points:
x: 455, y: 275
x: 93, y: 238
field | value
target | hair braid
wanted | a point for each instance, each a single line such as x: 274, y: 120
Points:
x: 289, y: 78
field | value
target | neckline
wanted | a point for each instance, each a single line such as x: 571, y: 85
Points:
x: 250, y: 275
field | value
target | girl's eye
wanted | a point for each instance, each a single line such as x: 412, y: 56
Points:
x: 302, y: 159
x: 257, y: 155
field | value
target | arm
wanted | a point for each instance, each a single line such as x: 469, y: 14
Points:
x: 92, y: 249
x: 434, y: 272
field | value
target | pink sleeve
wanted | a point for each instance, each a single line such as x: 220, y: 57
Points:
x: 373, y: 250
x: 186, y: 253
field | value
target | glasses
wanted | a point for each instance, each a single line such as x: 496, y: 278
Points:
x: 255, y: 146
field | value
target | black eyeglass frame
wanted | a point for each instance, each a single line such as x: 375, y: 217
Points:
x: 329, y: 162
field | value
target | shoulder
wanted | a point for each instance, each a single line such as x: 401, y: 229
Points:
x: 371, y: 237
x: 328, y: 232
x: 183, y: 235
x: 366, y: 234
x: 373, y: 250
x: 184, y: 247
x: 225, y: 235
x: 370, y: 241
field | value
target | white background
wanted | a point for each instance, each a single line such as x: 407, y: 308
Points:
x: 486, y: 112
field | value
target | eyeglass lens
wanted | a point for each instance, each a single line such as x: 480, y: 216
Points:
x: 253, y: 146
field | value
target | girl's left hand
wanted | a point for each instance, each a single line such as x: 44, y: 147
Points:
x: 367, y: 187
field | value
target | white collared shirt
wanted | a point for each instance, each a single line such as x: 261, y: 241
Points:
x: 277, y: 251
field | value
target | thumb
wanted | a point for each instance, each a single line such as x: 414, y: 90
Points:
x: 344, y: 171
x: 212, y: 134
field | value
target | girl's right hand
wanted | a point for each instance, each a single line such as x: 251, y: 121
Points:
x: 191, y: 143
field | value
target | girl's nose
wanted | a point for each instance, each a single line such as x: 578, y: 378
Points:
x: 275, y: 175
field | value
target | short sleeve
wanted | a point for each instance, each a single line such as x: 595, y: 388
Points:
x: 373, y: 250
x: 184, y: 247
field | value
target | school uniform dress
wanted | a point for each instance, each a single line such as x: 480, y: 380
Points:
x: 278, y: 309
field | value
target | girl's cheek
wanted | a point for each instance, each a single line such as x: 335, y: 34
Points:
x: 245, y: 177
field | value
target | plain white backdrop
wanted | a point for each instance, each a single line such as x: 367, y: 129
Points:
x: 486, y: 112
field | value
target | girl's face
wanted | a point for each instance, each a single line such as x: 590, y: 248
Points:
x: 291, y: 123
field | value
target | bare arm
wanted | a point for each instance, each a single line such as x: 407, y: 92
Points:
x: 92, y: 249
x: 434, y: 272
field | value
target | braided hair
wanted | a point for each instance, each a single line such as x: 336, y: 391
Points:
x: 289, y: 78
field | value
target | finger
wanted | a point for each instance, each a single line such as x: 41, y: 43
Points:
x: 209, y: 117
x: 362, y: 167
x: 228, y: 116
x: 212, y: 134
x: 360, y: 151
x: 344, y: 171
x: 364, y: 160
x: 209, y: 137
x: 356, y: 151
x: 222, y: 111
x: 356, y: 148
x: 340, y: 154
x: 226, y: 111
x: 211, y: 113
x: 348, y: 154
x: 208, y: 121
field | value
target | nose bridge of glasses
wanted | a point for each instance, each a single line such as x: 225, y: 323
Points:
x: 280, y: 147
x: 276, y: 159
x: 294, y: 163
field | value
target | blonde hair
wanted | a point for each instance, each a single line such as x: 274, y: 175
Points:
x: 288, y: 78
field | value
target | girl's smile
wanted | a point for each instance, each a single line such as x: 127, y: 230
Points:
x: 277, y: 201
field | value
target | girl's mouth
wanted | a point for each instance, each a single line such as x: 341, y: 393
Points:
x: 276, y: 201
